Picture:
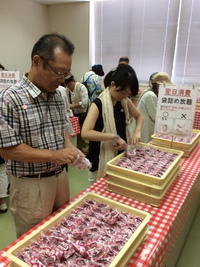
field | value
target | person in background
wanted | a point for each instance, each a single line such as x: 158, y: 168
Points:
x: 107, y: 125
x: 34, y: 138
x: 78, y: 102
x: 3, y: 179
x: 147, y: 103
x: 92, y: 82
x: 63, y: 92
x: 123, y: 60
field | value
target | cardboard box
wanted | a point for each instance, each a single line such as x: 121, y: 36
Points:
x: 123, y: 256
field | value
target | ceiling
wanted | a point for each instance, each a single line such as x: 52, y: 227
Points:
x: 52, y: 2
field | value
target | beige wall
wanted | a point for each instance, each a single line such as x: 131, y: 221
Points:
x: 22, y: 22
x: 72, y: 19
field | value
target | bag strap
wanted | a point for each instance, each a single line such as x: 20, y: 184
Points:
x: 89, y: 94
x: 70, y: 99
x: 87, y: 77
x: 92, y: 92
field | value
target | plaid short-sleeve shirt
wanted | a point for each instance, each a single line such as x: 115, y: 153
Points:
x: 28, y: 116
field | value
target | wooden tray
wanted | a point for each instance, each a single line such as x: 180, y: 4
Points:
x: 152, y: 189
x: 142, y: 177
x: 150, y: 199
x: 123, y: 256
x: 187, y: 148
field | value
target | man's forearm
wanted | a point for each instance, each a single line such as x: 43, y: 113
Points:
x: 26, y: 153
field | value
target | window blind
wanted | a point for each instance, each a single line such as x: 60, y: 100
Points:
x: 155, y: 35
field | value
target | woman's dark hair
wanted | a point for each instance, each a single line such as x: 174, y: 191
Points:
x: 151, y: 84
x: 154, y: 87
x: 2, y: 67
x: 46, y: 45
x: 68, y: 80
x: 124, y: 76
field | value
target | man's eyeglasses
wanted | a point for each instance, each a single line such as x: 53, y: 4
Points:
x: 60, y: 75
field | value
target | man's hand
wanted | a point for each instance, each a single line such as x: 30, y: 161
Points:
x: 66, y: 155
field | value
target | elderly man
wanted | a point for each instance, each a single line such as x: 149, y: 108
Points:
x: 34, y: 134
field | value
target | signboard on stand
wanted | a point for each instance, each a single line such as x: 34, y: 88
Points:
x: 8, y: 78
x: 175, y: 110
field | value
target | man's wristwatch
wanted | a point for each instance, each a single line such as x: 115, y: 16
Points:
x: 116, y: 138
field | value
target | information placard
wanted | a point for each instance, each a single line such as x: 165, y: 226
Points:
x: 175, y: 110
x: 8, y: 78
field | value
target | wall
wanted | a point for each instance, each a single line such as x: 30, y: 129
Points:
x: 23, y: 22
x: 72, y: 19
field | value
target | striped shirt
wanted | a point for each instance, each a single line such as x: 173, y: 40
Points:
x: 28, y: 116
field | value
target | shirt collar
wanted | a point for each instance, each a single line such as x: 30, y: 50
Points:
x: 33, y: 89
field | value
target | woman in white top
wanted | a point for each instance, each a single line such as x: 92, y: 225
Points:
x: 147, y: 104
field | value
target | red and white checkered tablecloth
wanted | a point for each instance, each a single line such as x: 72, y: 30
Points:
x: 167, y: 220
x: 75, y: 125
x: 196, y: 124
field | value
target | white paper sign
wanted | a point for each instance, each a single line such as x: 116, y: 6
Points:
x: 175, y: 110
x: 8, y: 78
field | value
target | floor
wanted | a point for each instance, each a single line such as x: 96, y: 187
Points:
x: 78, y: 181
x: 189, y: 257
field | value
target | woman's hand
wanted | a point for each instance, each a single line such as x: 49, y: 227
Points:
x: 136, y: 138
x: 120, y: 144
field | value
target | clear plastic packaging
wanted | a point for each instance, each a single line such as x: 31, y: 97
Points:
x: 130, y: 151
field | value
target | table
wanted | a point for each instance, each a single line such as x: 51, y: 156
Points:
x: 167, y: 220
x: 196, y: 124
